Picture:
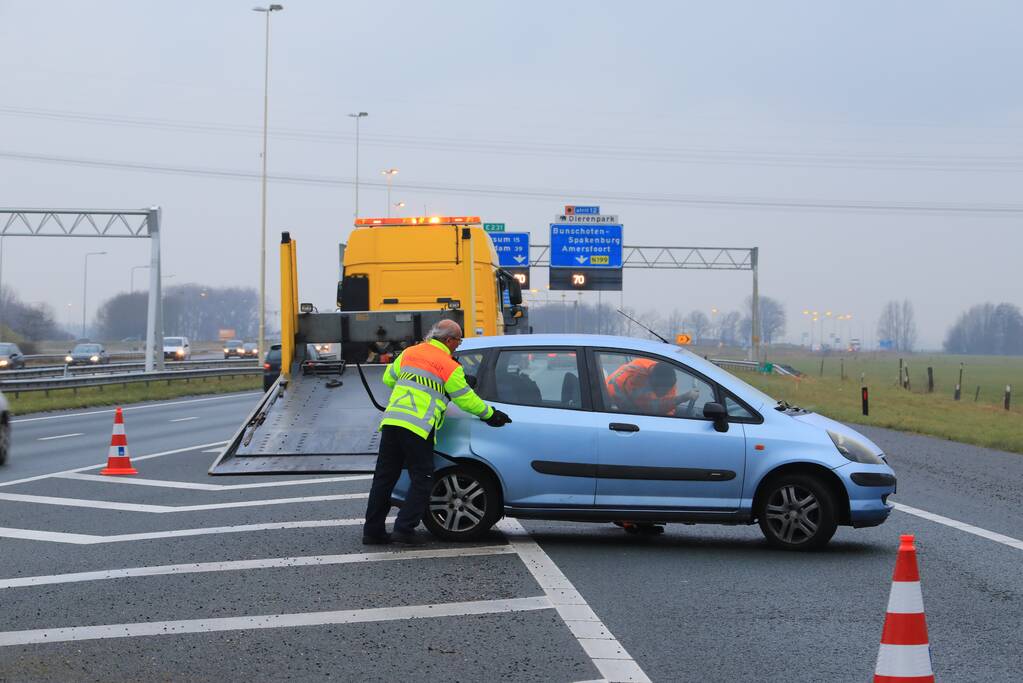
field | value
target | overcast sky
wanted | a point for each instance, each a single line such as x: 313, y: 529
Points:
x: 912, y: 109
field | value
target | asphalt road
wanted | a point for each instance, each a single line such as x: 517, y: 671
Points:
x: 179, y: 576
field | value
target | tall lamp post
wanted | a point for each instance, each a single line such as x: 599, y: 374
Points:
x: 357, y: 116
x: 266, y: 114
x: 133, y: 269
x: 85, y: 284
x: 389, y: 173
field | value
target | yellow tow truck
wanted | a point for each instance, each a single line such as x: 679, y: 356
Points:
x: 400, y: 276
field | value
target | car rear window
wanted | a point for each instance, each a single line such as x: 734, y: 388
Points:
x: 273, y: 354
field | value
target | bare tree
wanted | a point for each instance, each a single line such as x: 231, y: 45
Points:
x: 729, y: 326
x: 697, y: 325
x: 897, y: 325
x: 772, y: 319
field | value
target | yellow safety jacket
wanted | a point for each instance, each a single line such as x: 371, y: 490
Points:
x: 422, y: 380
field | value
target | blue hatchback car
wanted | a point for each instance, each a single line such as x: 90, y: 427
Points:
x: 593, y: 440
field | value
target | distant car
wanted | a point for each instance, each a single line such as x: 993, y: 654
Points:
x: 250, y: 350
x: 87, y: 354
x: 176, y: 348
x: 5, y: 429
x: 271, y: 366
x: 233, y: 348
x: 11, y: 357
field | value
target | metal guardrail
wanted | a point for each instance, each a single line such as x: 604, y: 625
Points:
x: 64, y: 370
x: 744, y: 364
x: 48, y: 384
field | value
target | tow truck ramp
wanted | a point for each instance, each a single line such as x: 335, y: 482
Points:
x: 314, y: 423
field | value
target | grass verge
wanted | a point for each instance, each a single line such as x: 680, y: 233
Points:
x: 118, y: 394
x: 981, y: 424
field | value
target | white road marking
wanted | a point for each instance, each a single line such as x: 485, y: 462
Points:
x: 96, y: 467
x: 88, y: 539
x: 962, y: 526
x: 164, y: 483
x: 266, y: 563
x: 351, y: 616
x: 183, y: 419
x: 64, y: 416
x: 607, y: 654
x: 60, y: 436
x: 213, y: 450
x: 162, y: 509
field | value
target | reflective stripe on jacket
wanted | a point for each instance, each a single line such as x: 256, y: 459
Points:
x: 422, y: 379
x: 629, y: 388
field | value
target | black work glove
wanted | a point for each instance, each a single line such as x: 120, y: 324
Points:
x: 498, y: 419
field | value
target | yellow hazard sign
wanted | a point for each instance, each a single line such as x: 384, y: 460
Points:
x: 682, y: 339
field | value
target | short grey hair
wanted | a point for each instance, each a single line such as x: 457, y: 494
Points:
x: 444, y: 330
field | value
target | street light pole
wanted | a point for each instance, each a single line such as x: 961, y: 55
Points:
x: 266, y: 115
x: 85, y: 285
x: 389, y: 173
x: 133, y: 269
x: 357, y: 116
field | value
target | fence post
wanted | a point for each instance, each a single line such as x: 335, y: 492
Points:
x: 906, y: 385
x: 930, y: 380
x: 841, y: 362
x: 976, y: 396
x: 960, y: 385
x: 1008, y: 395
x: 900, y: 372
x: 865, y: 398
x: 822, y: 366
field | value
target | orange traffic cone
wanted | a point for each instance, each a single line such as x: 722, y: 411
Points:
x: 118, y: 461
x: 905, y: 655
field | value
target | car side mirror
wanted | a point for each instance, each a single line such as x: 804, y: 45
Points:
x: 471, y: 381
x: 716, y: 412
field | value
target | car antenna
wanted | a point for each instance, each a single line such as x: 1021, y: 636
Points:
x: 643, y: 326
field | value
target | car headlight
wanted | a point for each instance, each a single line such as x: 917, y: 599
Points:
x: 180, y: 352
x: 853, y: 450
x: 94, y: 359
x: 227, y: 350
x: 3, y: 363
x: 68, y: 359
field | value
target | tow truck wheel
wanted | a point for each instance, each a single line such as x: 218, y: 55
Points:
x: 5, y: 440
x: 464, y: 504
x: 797, y: 512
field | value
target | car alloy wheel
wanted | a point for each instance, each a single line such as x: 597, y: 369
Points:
x: 463, y: 504
x: 797, y: 512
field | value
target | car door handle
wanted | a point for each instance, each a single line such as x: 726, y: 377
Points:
x: 623, y: 427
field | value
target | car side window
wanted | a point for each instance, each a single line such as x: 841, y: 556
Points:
x: 640, y: 385
x: 472, y: 363
x: 546, y: 378
x: 737, y: 410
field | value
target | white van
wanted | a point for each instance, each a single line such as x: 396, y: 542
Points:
x: 176, y: 348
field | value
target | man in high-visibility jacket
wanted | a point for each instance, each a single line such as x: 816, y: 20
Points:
x: 647, y: 387
x: 422, y: 380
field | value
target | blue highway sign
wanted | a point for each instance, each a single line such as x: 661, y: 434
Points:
x: 575, y: 245
x: 512, y: 248
x: 587, y: 211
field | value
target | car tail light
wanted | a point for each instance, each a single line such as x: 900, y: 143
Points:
x: 266, y: 366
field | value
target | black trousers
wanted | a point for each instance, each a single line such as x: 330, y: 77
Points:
x: 400, y: 449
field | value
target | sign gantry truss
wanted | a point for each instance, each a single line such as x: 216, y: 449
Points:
x: 104, y: 223
x: 686, y: 258
x: 75, y: 223
x: 690, y: 258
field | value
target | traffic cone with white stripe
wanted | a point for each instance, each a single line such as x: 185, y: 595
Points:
x: 905, y: 655
x: 118, y: 460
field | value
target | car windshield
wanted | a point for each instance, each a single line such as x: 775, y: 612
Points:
x: 173, y: 341
x: 6, y: 348
x: 234, y: 342
x: 87, y: 348
x: 250, y: 345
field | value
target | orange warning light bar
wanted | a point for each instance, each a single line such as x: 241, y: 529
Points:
x: 420, y: 220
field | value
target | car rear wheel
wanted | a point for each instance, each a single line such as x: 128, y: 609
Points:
x: 5, y: 440
x: 464, y: 504
x: 797, y: 512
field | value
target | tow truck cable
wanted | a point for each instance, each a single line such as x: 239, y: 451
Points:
x: 369, y: 392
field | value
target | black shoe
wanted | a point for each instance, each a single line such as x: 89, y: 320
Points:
x: 408, y: 538
x: 376, y: 540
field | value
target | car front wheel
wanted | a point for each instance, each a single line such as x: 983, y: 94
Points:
x: 464, y: 504
x: 797, y: 512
